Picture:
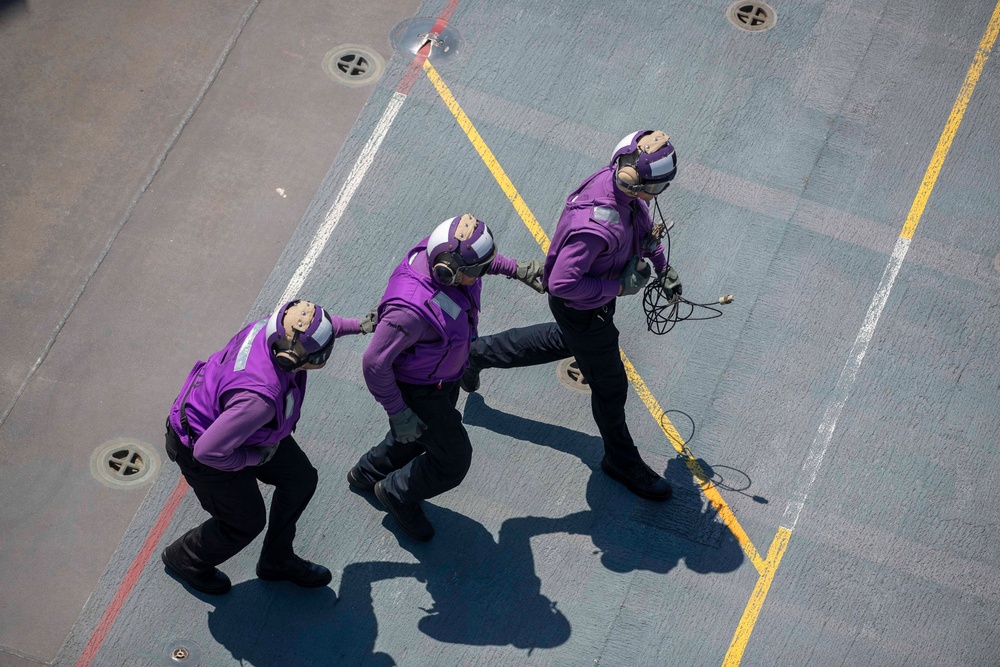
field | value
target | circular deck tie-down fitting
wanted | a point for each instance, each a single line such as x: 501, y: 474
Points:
x: 182, y: 653
x: 124, y: 463
x: 408, y: 36
x: 353, y: 65
x: 569, y: 374
x: 753, y: 16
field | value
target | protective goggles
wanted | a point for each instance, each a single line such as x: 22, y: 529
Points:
x: 321, y: 355
x: 477, y: 270
x: 635, y: 188
x: 655, y: 188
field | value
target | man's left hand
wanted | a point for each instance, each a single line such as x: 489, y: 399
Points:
x: 634, y: 277
x: 267, y: 453
x: 530, y: 273
x: 369, y: 321
x: 671, y: 282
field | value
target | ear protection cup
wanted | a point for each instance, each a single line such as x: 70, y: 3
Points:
x: 462, y: 245
x: 297, y: 331
x: 285, y: 356
x: 644, y: 161
x: 446, y: 268
x: 627, y: 177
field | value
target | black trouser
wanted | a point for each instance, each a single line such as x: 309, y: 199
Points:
x: 523, y: 346
x: 591, y: 337
x: 435, y: 462
x: 237, y: 507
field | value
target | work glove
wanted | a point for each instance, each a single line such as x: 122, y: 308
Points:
x: 369, y: 321
x: 267, y: 453
x: 635, y: 276
x: 406, y: 426
x: 671, y: 283
x: 650, y: 243
x: 530, y: 273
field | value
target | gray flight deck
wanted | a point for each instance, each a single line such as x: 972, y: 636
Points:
x: 171, y: 168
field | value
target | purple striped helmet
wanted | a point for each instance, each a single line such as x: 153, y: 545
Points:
x: 299, y: 332
x: 644, y: 161
x: 463, y: 245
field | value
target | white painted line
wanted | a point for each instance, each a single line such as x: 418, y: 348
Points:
x: 350, y: 186
x: 844, y: 385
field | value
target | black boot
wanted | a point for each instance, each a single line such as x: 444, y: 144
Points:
x: 639, y: 478
x: 297, y: 570
x: 409, y: 516
x: 360, y: 480
x: 470, y: 380
x: 211, y: 581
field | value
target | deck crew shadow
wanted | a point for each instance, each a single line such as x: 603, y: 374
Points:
x: 277, y: 624
x: 485, y: 593
x: 628, y: 533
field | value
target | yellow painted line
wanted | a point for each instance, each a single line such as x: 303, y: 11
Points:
x: 780, y: 543
x: 951, y: 127
x: 749, y: 619
x: 710, y: 491
x: 768, y: 567
x: 491, y: 162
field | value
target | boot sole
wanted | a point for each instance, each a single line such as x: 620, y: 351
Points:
x: 318, y: 583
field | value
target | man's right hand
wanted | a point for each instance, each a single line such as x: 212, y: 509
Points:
x: 267, y: 453
x: 406, y: 426
x: 634, y: 277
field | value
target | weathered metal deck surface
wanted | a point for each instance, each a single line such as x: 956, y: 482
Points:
x: 164, y: 170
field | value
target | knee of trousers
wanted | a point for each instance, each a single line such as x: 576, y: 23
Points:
x: 612, y: 389
x: 246, y: 529
x: 258, y: 525
x: 305, y: 483
x: 453, y: 470
x: 479, y: 346
x: 310, y: 480
x: 609, y: 378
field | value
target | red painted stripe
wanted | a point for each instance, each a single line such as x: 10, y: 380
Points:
x: 132, y: 576
x: 167, y: 513
x: 413, y: 71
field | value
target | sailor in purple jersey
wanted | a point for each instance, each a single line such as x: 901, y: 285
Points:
x: 602, y: 249
x: 231, y: 425
x: 427, y: 319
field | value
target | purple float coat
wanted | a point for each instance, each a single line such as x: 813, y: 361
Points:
x: 600, y: 229
x: 424, y: 328
x: 239, y: 401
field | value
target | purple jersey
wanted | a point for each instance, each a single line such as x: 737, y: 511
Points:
x: 424, y: 330
x: 239, y: 401
x: 600, y: 229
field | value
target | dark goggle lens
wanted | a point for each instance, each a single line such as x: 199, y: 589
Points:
x: 320, y: 356
x: 476, y: 270
x: 655, y: 188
